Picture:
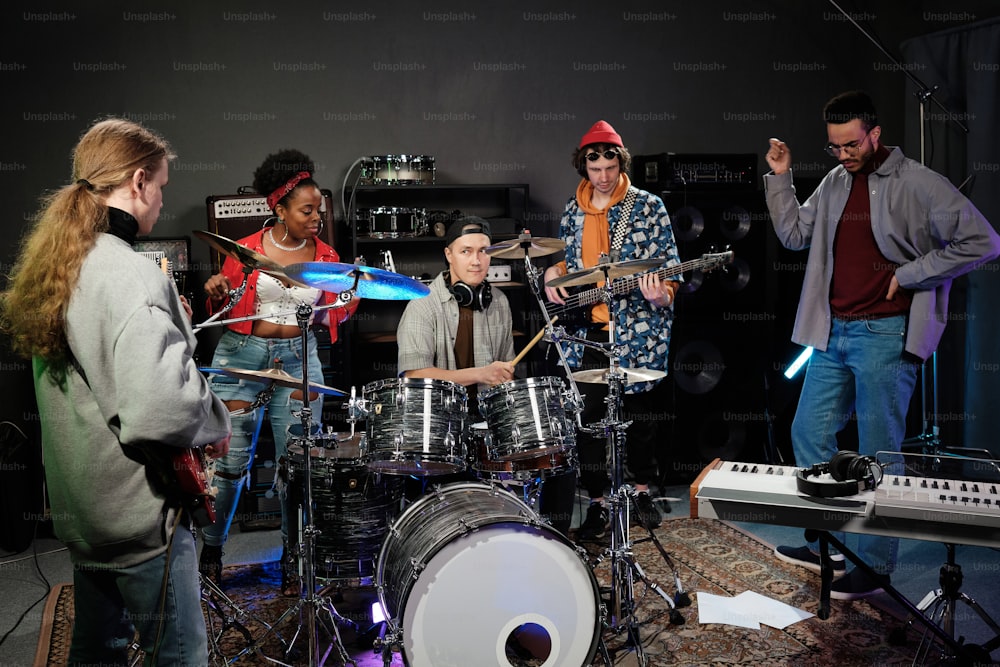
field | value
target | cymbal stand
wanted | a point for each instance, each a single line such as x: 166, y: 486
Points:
x: 625, y: 570
x: 533, y: 276
x: 316, y: 611
x: 235, y: 295
x: 212, y: 322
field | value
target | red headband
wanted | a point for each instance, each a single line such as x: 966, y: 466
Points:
x: 279, y: 194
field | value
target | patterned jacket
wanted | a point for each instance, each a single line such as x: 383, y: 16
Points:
x: 643, y: 328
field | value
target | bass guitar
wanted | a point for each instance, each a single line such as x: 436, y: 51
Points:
x: 576, y: 310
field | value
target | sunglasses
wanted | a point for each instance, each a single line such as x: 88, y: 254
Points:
x: 608, y: 154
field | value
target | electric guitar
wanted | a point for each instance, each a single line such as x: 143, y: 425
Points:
x: 588, y: 297
x: 191, y: 473
x: 192, y: 477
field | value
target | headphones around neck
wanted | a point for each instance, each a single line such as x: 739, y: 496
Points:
x: 848, y: 469
x: 477, y: 297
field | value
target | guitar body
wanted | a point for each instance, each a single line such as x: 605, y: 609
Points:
x: 193, y: 485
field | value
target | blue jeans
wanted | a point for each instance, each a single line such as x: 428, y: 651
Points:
x: 111, y: 603
x: 232, y: 470
x: 864, y: 370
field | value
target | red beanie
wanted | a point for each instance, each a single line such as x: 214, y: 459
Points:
x: 601, y: 133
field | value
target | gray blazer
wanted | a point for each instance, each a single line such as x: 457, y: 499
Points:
x: 921, y: 222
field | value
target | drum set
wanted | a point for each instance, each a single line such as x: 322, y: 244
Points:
x: 461, y: 540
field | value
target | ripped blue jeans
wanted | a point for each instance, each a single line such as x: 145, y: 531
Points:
x: 232, y: 470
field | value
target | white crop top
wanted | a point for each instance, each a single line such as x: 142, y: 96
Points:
x: 279, y: 302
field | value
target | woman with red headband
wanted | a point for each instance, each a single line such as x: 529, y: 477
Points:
x: 273, y: 336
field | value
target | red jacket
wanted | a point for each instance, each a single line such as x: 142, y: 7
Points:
x: 233, y: 270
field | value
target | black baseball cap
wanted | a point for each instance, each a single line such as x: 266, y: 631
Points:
x: 468, y: 224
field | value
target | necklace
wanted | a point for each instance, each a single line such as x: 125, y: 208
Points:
x: 300, y: 246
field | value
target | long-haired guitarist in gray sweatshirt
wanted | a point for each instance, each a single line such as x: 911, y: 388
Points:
x: 120, y: 401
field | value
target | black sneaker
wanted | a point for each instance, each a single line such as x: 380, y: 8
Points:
x: 857, y: 584
x: 646, y: 513
x: 210, y: 564
x: 595, y: 525
x: 807, y: 558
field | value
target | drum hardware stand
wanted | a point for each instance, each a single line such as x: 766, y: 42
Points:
x: 231, y: 616
x: 235, y: 295
x: 554, y: 334
x: 942, y: 604
x: 312, y: 604
x: 624, y: 567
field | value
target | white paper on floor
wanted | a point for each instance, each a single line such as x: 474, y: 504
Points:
x: 748, y: 610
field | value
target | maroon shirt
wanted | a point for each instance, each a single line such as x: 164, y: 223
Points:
x: 861, y: 274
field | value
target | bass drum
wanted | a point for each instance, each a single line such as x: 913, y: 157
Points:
x: 470, y: 570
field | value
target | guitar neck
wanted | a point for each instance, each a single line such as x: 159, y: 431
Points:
x: 628, y: 283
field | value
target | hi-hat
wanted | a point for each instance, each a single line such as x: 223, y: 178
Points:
x: 595, y: 274
x: 273, y: 375
x: 372, y: 283
x: 632, y: 375
x: 536, y: 247
x: 242, y: 254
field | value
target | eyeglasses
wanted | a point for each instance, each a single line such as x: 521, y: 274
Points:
x: 851, y: 147
x: 609, y: 154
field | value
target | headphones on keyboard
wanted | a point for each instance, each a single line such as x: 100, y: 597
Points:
x: 848, y: 470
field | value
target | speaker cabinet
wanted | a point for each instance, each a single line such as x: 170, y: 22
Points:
x: 724, y: 327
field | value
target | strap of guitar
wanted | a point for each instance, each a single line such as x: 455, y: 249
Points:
x: 627, y: 208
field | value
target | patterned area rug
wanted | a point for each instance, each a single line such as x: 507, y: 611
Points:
x: 710, y: 556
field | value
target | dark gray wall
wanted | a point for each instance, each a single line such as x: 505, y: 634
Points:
x: 496, y: 93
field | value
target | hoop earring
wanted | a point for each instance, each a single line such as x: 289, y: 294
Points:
x: 286, y: 229
x: 265, y: 225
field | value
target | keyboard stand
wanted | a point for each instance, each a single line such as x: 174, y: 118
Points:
x: 966, y: 654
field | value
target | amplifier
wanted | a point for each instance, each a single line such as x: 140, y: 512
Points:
x: 239, y: 206
x: 692, y: 171
x: 239, y: 215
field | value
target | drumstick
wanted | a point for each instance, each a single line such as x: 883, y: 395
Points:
x: 534, y: 340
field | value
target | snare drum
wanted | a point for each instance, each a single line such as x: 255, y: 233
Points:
x: 527, y: 419
x: 389, y: 222
x: 353, y: 507
x: 416, y: 426
x: 471, y: 541
x: 398, y: 170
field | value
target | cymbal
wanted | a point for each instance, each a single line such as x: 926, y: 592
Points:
x: 537, y: 247
x: 242, y: 254
x: 632, y: 375
x: 273, y: 375
x: 595, y: 274
x: 372, y: 283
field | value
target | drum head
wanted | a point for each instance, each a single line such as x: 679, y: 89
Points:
x: 483, y: 586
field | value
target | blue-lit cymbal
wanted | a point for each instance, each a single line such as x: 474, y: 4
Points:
x: 372, y: 283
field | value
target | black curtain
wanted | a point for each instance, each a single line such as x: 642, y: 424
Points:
x: 961, y: 67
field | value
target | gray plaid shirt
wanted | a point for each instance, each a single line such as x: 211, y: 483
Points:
x: 427, y: 330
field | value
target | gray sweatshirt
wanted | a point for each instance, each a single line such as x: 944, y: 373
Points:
x: 143, y: 390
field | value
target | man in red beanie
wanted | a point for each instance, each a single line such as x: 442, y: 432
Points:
x: 606, y: 218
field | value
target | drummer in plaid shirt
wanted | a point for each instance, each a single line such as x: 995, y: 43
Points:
x: 463, y: 332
